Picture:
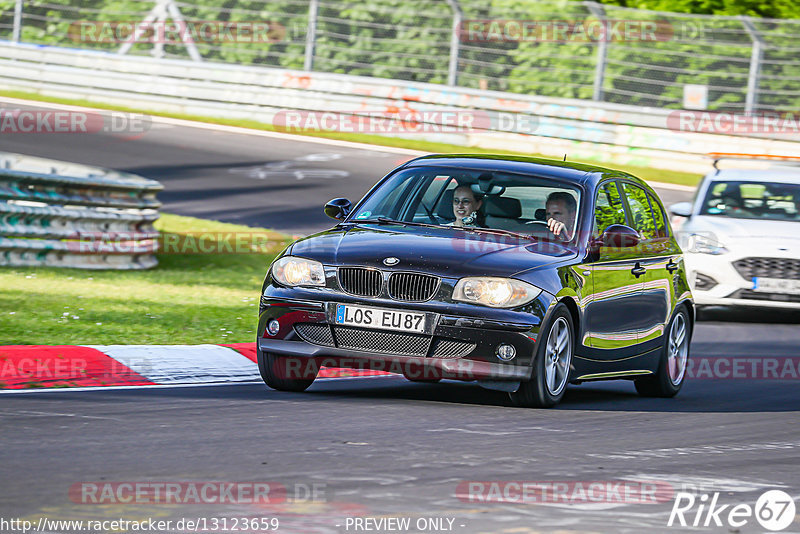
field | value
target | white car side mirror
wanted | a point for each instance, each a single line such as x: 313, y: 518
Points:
x: 681, y: 209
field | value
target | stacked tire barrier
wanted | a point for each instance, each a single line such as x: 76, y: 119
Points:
x: 58, y: 214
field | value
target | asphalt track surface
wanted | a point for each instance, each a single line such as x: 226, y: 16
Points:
x: 383, y: 447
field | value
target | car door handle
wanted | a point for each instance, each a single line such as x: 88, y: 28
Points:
x: 672, y: 266
x: 638, y: 270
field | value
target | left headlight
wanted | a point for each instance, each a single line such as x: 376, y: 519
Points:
x: 706, y: 244
x: 293, y: 271
x: 495, y: 292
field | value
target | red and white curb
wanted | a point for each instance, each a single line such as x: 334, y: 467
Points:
x: 58, y: 366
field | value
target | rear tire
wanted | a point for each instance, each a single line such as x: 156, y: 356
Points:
x: 674, y: 359
x: 274, y: 368
x: 551, y: 363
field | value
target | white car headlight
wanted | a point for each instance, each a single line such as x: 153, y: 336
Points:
x: 704, y: 244
x: 495, y: 292
x: 293, y: 271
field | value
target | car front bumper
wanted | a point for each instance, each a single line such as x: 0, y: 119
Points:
x: 457, y: 347
x: 730, y: 287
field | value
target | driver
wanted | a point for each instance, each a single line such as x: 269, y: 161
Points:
x: 465, y: 206
x: 560, y: 213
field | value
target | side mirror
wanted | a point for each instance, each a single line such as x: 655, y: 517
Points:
x: 338, y: 208
x: 620, y: 236
x: 681, y: 209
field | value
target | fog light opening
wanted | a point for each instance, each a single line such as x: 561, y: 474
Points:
x: 506, y: 352
x: 273, y: 327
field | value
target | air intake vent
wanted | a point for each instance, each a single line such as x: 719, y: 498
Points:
x: 785, y: 268
x: 360, y: 281
x: 412, y: 287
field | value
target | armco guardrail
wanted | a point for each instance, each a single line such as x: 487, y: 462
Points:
x: 605, y: 133
x: 66, y: 215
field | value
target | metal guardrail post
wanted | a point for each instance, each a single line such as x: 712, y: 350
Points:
x: 751, y: 99
x: 16, y: 32
x: 311, y: 35
x: 602, y: 51
x: 455, y: 42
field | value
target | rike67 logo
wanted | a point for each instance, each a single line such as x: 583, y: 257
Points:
x: 774, y: 510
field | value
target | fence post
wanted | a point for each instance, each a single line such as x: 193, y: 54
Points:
x: 751, y: 99
x: 455, y: 42
x: 311, y: 35
x: 602, y: 50
x: 16, y: 32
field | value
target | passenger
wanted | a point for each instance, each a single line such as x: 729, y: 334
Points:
x: 561, y: 210
x: 465, y: 207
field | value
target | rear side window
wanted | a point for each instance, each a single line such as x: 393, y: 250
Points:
x: 658, y: 215
x: 608, y: 208
x: 643, y: 221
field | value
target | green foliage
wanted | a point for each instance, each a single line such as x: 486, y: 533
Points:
x: 411, y: 40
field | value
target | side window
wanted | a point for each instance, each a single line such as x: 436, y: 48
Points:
x: 658, y: 214
x: 608, y: 208
x: 643, y: 221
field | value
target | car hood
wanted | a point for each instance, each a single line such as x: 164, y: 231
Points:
x: 747, y: 234
x: 444, y: 251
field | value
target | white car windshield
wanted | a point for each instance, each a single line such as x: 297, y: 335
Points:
x: 753, y: 200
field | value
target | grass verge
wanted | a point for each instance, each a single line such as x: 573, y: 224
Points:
x: 189, y: 298
x: 646, y: 173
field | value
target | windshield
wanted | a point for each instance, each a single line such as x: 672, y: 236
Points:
x: 473, y: 199
x: 753, y: 200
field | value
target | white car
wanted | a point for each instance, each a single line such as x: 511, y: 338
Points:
x: 741, y: 237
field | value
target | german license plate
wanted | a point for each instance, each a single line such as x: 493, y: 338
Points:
x: 380, y: 318
x: 777, y: 285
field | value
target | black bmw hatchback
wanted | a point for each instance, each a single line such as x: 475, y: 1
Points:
x: 522, y: 274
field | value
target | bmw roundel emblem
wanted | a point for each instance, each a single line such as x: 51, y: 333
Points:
x: 391, y: 261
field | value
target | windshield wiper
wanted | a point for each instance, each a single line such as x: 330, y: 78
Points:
x: 387, y: 220
x: 499, y: 231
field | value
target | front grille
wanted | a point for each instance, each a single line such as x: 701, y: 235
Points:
x: 377, y: 341
x: 785, y: 268
x: 412, y: 287
x: 360, y: 281
x: 316, y: 333
x: 450, y: 348
x: 749, y: 294
x: 382, y: 342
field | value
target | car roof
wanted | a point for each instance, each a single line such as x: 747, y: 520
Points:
x: 784, y: 175
x: 578, y: 173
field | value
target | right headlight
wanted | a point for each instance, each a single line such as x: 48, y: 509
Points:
x: 294, y: 271
x: 495, y: 292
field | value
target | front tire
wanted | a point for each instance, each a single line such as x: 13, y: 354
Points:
x: 275, y: 369
x: 672, y: 364
x: 552, y: 362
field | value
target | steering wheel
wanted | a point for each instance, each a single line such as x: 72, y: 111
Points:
x: 536, y: 222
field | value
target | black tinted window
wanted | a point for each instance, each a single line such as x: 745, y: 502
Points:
x: 608, y: 208
x: 643, y: 221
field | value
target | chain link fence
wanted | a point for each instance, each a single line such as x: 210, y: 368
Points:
x: 578, y: 50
